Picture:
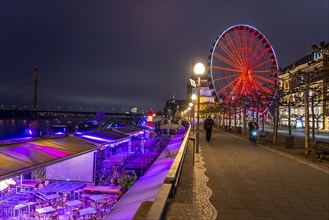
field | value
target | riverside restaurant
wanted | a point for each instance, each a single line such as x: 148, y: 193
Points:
x: 100, y: 174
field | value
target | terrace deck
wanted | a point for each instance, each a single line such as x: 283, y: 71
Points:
x: 148, y: 186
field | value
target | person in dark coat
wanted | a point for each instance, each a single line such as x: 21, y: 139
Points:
x: 208, y: 124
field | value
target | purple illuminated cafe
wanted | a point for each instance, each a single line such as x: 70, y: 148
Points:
x: 97, y: 174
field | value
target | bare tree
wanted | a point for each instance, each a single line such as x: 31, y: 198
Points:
x: 307, y: 79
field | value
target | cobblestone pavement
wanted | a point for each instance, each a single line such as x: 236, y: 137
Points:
x: 232, y: 179
x: 192, y: 196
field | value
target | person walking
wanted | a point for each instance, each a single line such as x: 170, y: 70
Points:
x: 208, y: 124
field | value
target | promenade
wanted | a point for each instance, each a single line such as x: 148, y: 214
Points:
x: 232, y: 179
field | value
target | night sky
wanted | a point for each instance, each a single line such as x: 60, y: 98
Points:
x: 115, y: 55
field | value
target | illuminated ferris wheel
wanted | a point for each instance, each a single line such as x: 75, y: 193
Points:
x: 242, y: 62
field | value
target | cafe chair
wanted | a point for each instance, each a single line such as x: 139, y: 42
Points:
x: 74, y: 212
x: 60, y: 205
x: 40, y: 186
x: 54, y: 216
x: 37, y: 215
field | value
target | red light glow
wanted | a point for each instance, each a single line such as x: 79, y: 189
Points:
x: 241, y: 63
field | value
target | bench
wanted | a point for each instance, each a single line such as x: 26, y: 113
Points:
x: 103, y: 189
x: 263, y: 135
x: 321, y: 148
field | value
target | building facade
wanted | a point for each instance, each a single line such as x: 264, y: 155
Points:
x: 307, y: 77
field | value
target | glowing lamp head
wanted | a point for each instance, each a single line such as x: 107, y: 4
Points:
x: 199, y: 69
x: 193, y: 97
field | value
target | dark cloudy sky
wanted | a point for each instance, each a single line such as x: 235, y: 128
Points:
x: 124, y: 54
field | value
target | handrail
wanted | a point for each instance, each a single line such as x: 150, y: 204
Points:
x: 176, y: 167
x: 157, y: 209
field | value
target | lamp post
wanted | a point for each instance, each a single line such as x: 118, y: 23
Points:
x: 188, y: 111
x: 191, y: 108
x: 198, y: 70
x: 193, y: 100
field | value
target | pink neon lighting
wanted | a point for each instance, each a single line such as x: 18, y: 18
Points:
x: 52, y: 151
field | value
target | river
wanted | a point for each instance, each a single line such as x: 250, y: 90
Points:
x: 16, y: 128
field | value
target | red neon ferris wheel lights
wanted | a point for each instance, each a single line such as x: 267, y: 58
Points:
x: 241, y: 63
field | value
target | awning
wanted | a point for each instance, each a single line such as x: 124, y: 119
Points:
x: 130, y: 130
x: 103, y: 137
x: 19, y: 158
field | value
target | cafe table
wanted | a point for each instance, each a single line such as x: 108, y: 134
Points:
x: 29, y: 205
x: 87, y: 211
x: 73, y: 203
x: 52, y: 196
x: 19, y: 208
x: 97, y: 198
x: 45, y: 210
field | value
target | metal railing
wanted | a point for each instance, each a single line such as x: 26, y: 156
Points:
x: 168, y: 189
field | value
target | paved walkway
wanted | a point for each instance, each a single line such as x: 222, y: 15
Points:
x: 248, y: 182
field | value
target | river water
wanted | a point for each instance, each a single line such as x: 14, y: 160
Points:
x: 16, y: 128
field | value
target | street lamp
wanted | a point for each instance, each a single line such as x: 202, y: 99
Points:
x: 193, y: 97
x: 198, y: 70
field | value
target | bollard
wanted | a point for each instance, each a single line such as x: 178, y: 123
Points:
x: 289, y: 141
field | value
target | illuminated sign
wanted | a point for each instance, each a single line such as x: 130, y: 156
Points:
x: 193, y: 83
x: 205, y: 92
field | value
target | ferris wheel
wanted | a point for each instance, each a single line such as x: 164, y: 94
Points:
x: 242, y: 62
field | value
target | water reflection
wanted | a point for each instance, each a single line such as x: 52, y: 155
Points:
x: 15, y: 128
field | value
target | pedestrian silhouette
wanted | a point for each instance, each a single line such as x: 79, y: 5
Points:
x: 208, y: 124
